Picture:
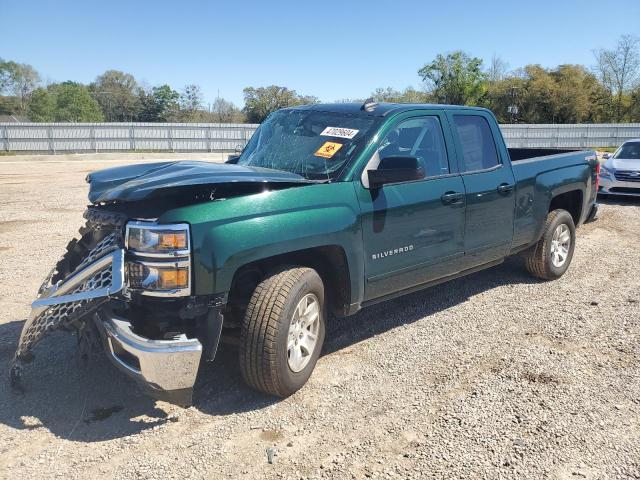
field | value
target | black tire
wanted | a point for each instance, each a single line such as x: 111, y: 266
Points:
x: 76, y: 250
x: 265, y: 328
x: 538, y: 259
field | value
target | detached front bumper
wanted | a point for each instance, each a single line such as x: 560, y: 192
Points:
x: 63, y: 305
x: 165, y: 369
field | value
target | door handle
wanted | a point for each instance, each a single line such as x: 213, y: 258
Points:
x: 505, y: 188
x: 452, y: 198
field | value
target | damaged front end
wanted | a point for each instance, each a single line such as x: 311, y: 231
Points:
x: 66, y: 303
x: 149, y: 329
x: 128, y: 279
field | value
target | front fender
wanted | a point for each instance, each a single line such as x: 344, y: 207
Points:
x: 231, y: 233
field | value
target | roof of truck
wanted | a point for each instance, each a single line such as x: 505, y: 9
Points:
x: 379, y: 109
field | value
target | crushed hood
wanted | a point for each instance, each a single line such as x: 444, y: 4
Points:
x: 137, y: 182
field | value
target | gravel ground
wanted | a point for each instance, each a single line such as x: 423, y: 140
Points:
x: 495, y: 375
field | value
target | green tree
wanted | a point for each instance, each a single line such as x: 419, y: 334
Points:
x: 618, y: 70
x: 504, y: 98
x: 634, y: 106
x: 191, y: 104
x: 74, y: 103
x: 6, y: 74
x: 455, y: 78
x: 117, y: 94
x: 576, y: 90
x: 18, y: 80
x: 9, y: 105
x: 226, y: 112
x: 260, y: 102
x: 42, y: 106
x: 566, y: 94
x: 539, y: 99
x: 408, y: 95
x: 64, y: 102
x: 158, y: 105
x: 497, y: 70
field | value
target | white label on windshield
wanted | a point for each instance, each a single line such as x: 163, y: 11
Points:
x: 339, y: 132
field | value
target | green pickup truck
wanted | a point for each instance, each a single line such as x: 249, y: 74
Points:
x: 328, y: 209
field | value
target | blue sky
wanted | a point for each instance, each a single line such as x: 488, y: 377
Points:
x: 330, y: 49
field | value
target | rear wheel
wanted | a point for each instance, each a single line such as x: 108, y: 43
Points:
x: 283, y: 331
x: 551, y: 256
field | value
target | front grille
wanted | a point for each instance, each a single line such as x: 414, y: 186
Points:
x: 63, y: 315
x: 635, y: 191
x: 107, y: 244
x: 104, y: 246
x: 628, y: 175
x: 63, y: 303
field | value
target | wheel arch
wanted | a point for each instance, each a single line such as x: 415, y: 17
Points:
x: 330, y: 261
x: 571, y: 201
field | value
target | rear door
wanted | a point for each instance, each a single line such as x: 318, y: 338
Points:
x: 489, y: 185
x: 413, y: 231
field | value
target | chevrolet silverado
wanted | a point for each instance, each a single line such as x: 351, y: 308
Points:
x: 328, y: 209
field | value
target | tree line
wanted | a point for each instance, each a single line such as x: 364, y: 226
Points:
x: 607, y: 91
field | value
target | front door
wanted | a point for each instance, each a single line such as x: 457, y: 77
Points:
x: 490, y: 189
x: 413, y: 231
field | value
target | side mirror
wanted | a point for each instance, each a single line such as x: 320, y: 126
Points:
x: 233, y: 159
x: 607, y: 156
x: 395, y: 170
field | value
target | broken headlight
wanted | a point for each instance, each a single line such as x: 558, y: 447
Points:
x: 159, y: 259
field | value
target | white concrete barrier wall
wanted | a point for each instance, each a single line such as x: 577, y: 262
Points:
x: 214, y: 137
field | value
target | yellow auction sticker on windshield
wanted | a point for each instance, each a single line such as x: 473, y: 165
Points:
x: 328, y: 149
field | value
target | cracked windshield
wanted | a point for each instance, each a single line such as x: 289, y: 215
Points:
x: 316, y: 145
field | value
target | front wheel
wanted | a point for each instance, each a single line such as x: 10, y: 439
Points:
x: 283, y: 331
x: 551, y: 256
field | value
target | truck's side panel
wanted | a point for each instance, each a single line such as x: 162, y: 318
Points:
x: 538, y: 182
x: 410, y: 234
x: 489, y: 186
x: 410, y: 237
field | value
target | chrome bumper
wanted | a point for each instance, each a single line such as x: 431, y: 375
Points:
x: 165, y: 369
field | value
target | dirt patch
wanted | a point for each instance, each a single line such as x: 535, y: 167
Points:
x: 8, y: 225
x: 100, y: 414
x: 271, y: 435
x: 543, y: 378
x: 62, y: 210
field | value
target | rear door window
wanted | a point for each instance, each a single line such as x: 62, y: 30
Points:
x: 478, y: 146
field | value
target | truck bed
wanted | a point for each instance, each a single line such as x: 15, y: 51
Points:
x: 544, y: 173
x: 518, y: 154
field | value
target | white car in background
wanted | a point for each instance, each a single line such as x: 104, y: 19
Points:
x: 620, y: 172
